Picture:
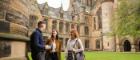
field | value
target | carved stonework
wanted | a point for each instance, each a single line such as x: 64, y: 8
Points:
x: 3, y: 8
x: 3, y: 4
x: 18, y: 29
x: 14, y: 27
x: 16, y: 17
x: 5, y: 48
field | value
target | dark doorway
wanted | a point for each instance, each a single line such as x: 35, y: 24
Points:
x: 127, y: 46
x: 97, y: 44
x: 139, y: 45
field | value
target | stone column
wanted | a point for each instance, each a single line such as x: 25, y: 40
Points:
x: 64, y: 43
x: 82, y: 30
x: 17, y: 49
x: 117, y: 44
x: 76, y: 26
x: 133, y: 45
x: 70, y: 26
x: 133, y: 48
x: 64, y: 27
x: 49, y: 24
x: 57, y: 25
x: 97, y: 25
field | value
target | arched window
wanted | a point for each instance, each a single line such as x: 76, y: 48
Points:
x: 54, y: 24
x: 86, y: 30
x: 67, y: 27
x: 78, y: 29
x: 32, y: 21
x: 61, y: 27
x: 86, y: 43
x: 46, y: 20
x: 99, y: 14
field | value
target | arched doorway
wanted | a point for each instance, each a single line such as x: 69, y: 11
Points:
x: 139, y: 45
x: 127, y: 46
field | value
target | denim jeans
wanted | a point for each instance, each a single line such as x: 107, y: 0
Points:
x: 38, y: 56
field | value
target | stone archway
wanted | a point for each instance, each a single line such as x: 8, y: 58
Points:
x: 139, y: 46
x: 127, y: 45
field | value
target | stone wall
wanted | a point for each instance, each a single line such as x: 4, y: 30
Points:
x: 15, y: 24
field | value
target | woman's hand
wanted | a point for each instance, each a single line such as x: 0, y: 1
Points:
x: 75, y: 50
x: 47, y: 47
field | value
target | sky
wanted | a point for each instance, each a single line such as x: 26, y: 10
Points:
x: 56, y: 3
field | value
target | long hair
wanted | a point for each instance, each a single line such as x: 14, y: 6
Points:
x: 75, y: 33
x: 57, y: 37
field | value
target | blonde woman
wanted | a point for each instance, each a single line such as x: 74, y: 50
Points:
x: 74, y: 48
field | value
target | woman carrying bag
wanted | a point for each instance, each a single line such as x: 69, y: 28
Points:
x: 74, y: 48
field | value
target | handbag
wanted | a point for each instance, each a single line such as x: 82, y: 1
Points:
x: 79, y: 55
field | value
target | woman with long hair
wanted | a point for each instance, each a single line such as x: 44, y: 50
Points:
x: 54, y: 47
x: 74, y: 48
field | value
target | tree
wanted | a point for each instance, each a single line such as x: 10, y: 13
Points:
x: 126, y: 19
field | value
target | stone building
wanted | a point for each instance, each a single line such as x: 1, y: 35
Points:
x: 102, y: 14
x: 16, y: 18
x: 92, y: 19
x: 78, y: 16
x: 113, y: 42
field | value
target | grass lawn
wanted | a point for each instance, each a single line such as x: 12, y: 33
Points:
x: 108, y: 56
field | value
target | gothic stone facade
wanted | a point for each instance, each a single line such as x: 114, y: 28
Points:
x: 92, y: 19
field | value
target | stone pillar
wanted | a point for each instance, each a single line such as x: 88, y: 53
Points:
x: 70, y: 26
x: 14, y: 38
x: 76, y: 26
x: 64, y: 43
x: 133, y: 45
x: 50, y: 25
x: 117, y: 44
x: 14, y: 28
x: 97, y: 25
x: 69, y: 29
x: 17, y: 49
x: 64, y: 27
x: 81, y: 32
x: 133, y: 48
x: 118, y: 48
x: 57, y: 28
